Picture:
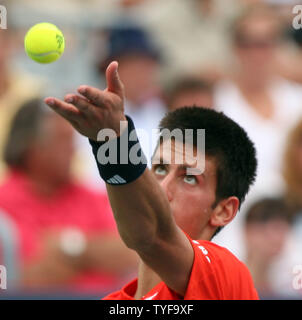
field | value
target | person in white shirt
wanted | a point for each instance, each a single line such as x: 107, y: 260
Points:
x: 264, y: 104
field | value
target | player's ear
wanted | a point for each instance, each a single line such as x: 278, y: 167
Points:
x: 224, y: 212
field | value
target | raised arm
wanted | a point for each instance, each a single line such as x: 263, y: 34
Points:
x: 141, y: 208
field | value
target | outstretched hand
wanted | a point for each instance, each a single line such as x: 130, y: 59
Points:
x: 94, y: 109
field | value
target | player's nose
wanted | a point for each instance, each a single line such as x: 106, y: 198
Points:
x: 168, y: 186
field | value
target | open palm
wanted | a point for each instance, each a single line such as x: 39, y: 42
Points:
x: 94, y: 109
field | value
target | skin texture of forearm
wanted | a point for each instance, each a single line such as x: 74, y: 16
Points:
x: 141, y: 210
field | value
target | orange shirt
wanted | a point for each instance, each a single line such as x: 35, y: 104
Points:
x: 216, y: 275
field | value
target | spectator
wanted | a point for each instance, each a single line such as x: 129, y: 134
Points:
x: 188, y: 91
x: 289, y: 59
x: 67, y: 236
x: 267, y: 227
x: 263, y: 103
x: 193, y: 34
x: 15, y: 88
x: 266, y: 105
x: 292, y: 172
x: 139, y: 63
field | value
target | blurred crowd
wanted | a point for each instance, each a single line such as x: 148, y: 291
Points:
x: 241, y: 57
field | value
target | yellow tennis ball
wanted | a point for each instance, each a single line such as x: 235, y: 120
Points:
x: 44, y: 43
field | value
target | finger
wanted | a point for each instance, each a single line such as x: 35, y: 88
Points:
x: 81, y: 104
x: 66, y: 110
x: 114, y: 84
x: 96, y: 96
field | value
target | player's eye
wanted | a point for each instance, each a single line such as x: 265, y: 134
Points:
x: 190, y: 180
x: 160, y: 170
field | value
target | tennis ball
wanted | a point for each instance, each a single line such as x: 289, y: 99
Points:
x: 44, y: 43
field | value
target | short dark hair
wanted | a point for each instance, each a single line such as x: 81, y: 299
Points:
x: 268, y: 209
x: 225, y: 141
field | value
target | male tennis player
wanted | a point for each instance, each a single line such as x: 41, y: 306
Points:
x: 167, y: 215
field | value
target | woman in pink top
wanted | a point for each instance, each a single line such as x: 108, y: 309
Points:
x: 67, y: 235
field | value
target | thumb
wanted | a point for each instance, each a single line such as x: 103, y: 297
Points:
x: 114, y: 83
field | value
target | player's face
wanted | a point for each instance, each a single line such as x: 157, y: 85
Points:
x: 191, y: 197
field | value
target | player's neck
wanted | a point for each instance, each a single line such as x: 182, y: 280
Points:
x: 147, y: 280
